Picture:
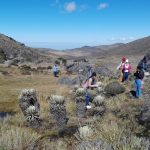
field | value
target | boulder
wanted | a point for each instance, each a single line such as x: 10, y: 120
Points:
x: 103, y: 71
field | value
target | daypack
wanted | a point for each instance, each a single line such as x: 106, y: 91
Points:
x: 139, y: 74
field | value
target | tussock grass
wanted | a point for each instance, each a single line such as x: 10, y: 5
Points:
x: 117, y: 127
x: 16, y: 138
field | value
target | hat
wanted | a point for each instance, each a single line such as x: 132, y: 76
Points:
x: 127, y: 60
x: 123, y: 59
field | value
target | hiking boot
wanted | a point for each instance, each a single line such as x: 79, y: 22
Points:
x: 88, y: 107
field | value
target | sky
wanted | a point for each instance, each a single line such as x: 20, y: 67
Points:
x: 64, y: 24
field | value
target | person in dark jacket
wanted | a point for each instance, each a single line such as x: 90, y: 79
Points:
x: 143, y: 64
x: 139, y: 75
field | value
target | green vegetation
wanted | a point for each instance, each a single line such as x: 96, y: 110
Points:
x: 117, y: 126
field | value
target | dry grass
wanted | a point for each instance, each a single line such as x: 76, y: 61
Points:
x: 16, y: 138
x: 118, y: 123
x: 10, y: 87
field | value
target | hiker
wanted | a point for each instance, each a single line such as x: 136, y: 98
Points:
x: 126, y: 70
x: 120, y: 67
x: 55, y: 70
x: 89, y: 84
x: 143, y: 64
x: 139, y: 75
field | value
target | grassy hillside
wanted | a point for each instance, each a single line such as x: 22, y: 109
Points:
x: 118, y: 126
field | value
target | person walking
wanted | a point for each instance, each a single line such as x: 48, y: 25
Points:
x: 139, y: 75
x: 55, y: 70
x: 90, y: 83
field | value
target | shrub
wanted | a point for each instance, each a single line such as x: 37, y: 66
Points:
x: 25, y: 70
x: 49, y: 67
x: 84, y: 132
x: 80, y: 102
x: 114, y: 88
x: 58, y: 110
x: 99, y: 106
x: 30, y: 107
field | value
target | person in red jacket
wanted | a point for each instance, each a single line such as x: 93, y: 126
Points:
x: 126, y: 70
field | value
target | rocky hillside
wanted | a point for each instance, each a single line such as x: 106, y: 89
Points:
x: 10, y: 49
x: 137, y: 47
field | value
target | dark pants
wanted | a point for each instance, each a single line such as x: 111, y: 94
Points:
x: 87, y: 98
x: 55, y: 73
x: 125, y: 76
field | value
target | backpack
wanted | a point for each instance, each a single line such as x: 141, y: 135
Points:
x: 140, y: 74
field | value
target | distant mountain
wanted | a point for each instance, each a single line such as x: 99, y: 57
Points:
x: 11, y: 49
x: 108, y: 47
x: 137, y: 47
x: 89, y: 51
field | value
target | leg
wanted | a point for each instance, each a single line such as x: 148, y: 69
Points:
x: 126, y: 76
x: 139, y: 84
x: 55, y: 73
x: 123, y: 78
x: 87, y: 99
x: 136, y: 88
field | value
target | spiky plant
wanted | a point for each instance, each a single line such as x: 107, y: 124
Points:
x: 75, y: 87
x: 100, y: 90
x: 30, y: 107
x: 99, y: 84
x: 58, y: 110
x: 80, y: 102
x: 84, y: 132
x: 99, y: 105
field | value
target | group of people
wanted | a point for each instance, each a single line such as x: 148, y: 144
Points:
x: 125, y: 70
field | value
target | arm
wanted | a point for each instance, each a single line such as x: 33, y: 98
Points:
x: 119, y: 66
x: 130, y: 68
x: 90, y: 83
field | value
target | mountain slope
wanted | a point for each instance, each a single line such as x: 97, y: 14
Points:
x: 11, y: 49
x: 137, y: 47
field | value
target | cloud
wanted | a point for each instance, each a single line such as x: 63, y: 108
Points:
x: 70, y: 7
x: 120, y: 39
x: 102, y: 6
